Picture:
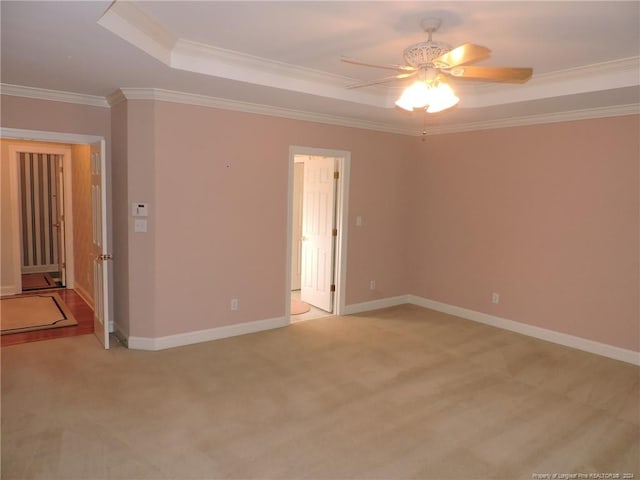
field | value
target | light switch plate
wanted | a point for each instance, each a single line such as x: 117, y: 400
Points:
x: 140, y: 225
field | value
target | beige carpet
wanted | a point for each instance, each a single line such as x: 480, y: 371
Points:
x: 298, y: 307
x: 401, y: 393
x: 37, y: 281
x: 24, y: 313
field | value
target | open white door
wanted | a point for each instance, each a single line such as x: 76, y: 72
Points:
x: 101, y: 255
x: 318, y: 232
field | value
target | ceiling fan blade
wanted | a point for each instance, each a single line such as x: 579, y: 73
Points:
x: 461, y: 55
x: 403, y: 68
x: 382, y: 80
x: 493, y: 74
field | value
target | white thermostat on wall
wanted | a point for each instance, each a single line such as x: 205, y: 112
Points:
x: 139, y: 209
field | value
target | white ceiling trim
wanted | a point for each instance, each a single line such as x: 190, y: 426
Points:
x: 130, y: 23
x: 135, y: 26
x: 219, y: 62
x: 226, y: 104
x: 247, y: 107
x: 569, y: 116
x: 591, y: 78
x: 52, y: 95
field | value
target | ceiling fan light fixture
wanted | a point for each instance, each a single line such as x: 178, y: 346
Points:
x: 418, y: 95
x: 437, y: 96
x: 442, y: 98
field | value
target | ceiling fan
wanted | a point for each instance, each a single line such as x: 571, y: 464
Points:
x: 429, y: 60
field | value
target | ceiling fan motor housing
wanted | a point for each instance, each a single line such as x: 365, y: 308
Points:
x: 423, y: 53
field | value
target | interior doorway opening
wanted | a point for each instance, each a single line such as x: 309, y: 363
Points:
x: 43, y: 199
x: 90, y: 250
x: 318, y: 184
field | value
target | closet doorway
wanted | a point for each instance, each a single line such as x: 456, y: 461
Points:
x: 318, y: 184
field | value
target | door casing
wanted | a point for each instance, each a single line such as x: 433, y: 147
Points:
x: 340, y: 263
x: 69, y: 138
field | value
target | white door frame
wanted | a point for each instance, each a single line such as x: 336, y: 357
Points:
x: 70, y: 138
x: 340, y: 267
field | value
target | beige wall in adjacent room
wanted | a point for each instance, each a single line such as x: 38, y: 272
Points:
x: 82, y: 220
x: 8, y: 267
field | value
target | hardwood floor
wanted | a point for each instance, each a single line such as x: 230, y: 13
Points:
x: 80, y: 309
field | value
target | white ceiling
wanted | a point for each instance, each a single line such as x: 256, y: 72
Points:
x: 286, y: 55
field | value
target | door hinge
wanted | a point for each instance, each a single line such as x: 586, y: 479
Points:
x: 334, y: 232
x: 106, y: 256
x: 333, y: 288
x: 336, y: 175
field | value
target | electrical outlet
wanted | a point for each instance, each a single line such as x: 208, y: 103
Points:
x: 495, y: 297
x: 372, y: 285
x: 234, y: 304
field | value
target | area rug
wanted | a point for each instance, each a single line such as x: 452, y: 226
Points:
x: 298, y: 307
x: 37, y: 281
x: 25, y: 313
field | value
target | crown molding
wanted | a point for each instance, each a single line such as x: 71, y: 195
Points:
x: 568, y: 116
x: 115, y: 98
x: 130, y: 23
x: 247, y: 107
x: 225, y: 104
x: 135, y: 26
x: 619, y: 73
x: 52, y: 95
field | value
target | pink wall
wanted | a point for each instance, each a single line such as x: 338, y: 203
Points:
x: 221, y: 213
x: 120, y: 205
x: 45, y: 115
x: 546, y: 215
x: 141, y: 173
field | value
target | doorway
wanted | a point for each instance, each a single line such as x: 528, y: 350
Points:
x: 316, y: 255
x: 96, y: 275
x: 44, y: 200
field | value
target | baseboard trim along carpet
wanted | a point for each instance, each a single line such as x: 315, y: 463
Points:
x: 591, y: 346
x: 199, y: 336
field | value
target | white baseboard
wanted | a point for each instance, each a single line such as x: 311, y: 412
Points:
x: 591, y: 346
x: 375, y: 304
x: 189, y: 338
x: 567, y: 340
